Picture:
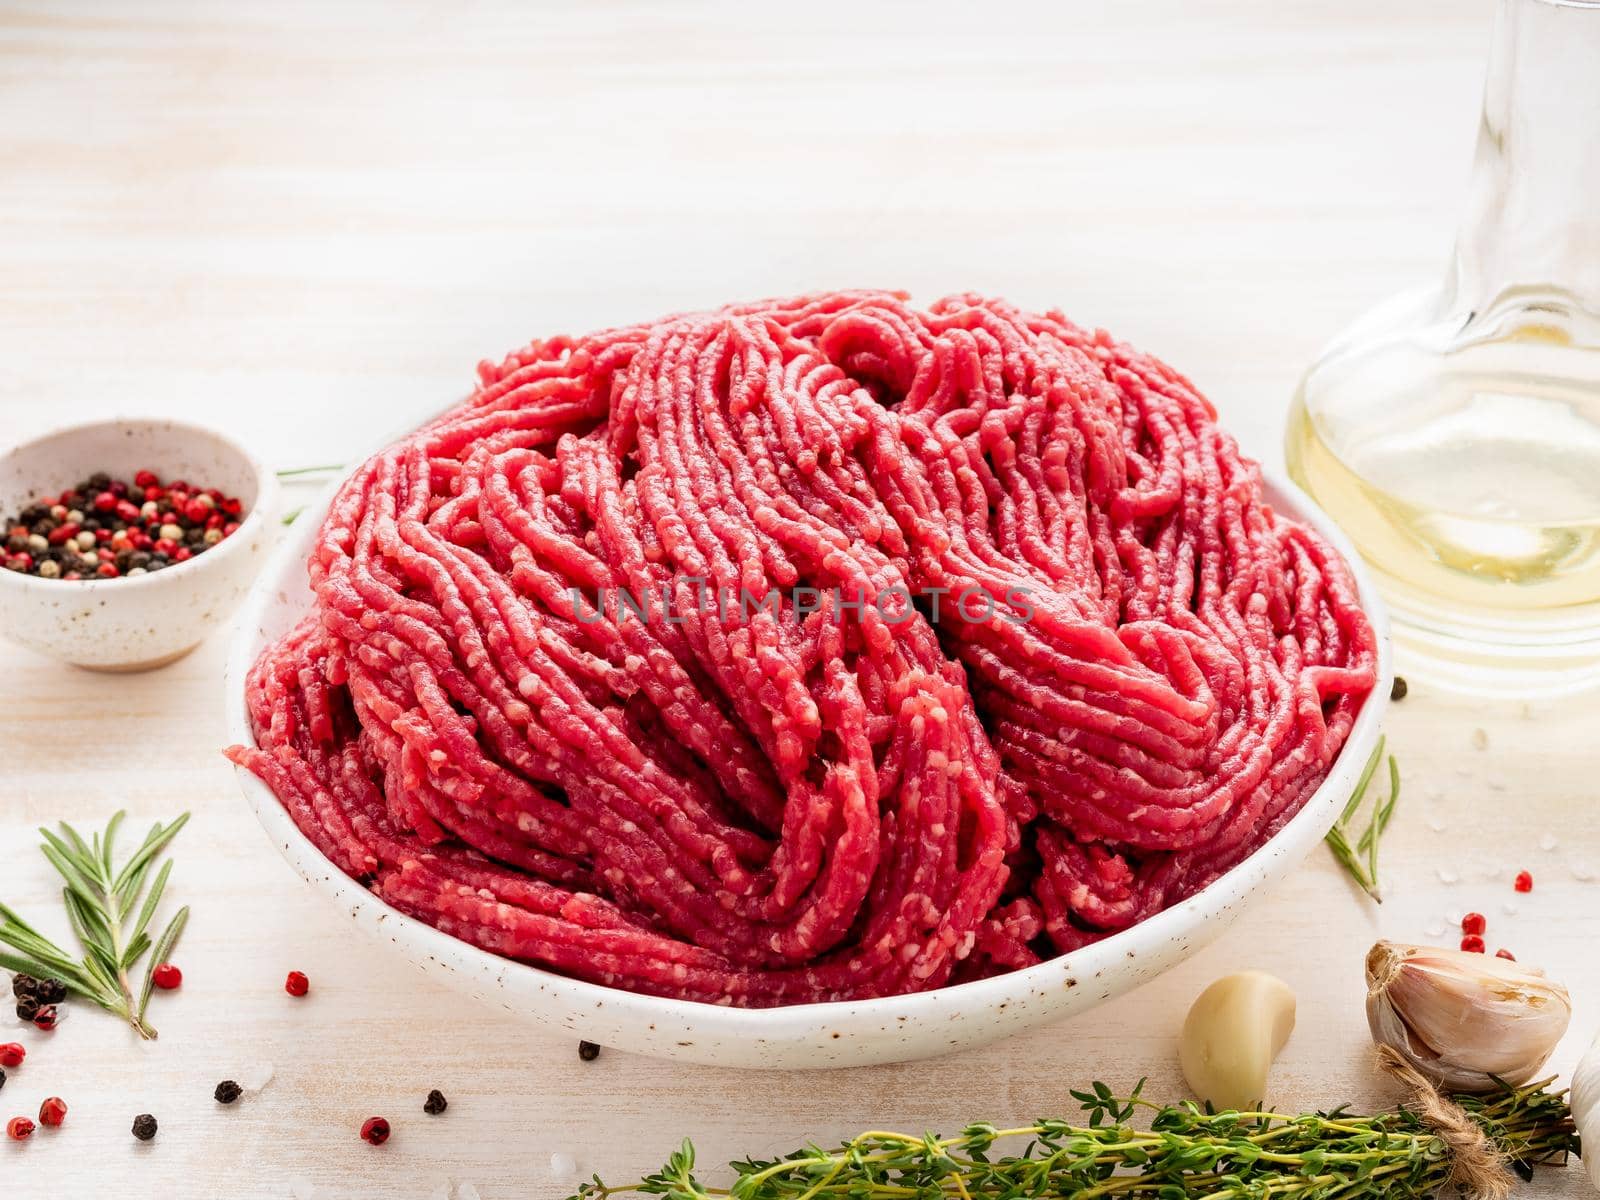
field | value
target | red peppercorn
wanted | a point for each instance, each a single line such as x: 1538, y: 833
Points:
x: 215, y: 521
x: 61, y: 533
x: 297, y: 984
x: 146, y: 479
x: 154, y: 493
x: 1474, y: 923
x: 1506, y: 954
x: 12, y: 1054
x: 231, y: 528
x: 20, y: 562
x: 178, y: 485
x: 52, y: 1112
x: 166, y: 976
x: 19, y: 1129
x: 177, y: 499
x: 1524, y: 882
x: 105, y: 501
x: 231, y: 506
x: 1472, y: 943
x: 139, y: 539
x: 375, y: 1130
x: 198, y: 509
x: 105, y: 554
x: 182, y: 554
x: 107, y: 570
x: 164, y: 546
x: 48, y: 1016
x: 127, y: 510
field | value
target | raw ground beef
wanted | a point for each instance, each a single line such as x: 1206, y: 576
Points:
x: 758, y: 804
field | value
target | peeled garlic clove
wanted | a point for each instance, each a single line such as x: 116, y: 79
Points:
x: 1232, y: 1033
x: 1463, y: 1018
x: 1585, y: 1101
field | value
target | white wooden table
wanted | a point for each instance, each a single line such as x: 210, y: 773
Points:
x: 306, y: 222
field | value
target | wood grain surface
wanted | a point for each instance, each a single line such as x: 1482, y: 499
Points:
x: 305, y: 222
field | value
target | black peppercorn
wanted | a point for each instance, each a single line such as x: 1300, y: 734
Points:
x: 227, y: 1092
x: 144, y: 1127
x: 50, y: 991
x: 2, y: 1077
x: 28, y: 1007
x: 23, y: 985
x: 588, y: 1051
x: 1399, y: 690
x: 435, y: 1103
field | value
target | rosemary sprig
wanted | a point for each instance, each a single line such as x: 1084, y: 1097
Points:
x: 1360, y: 858
x: 1186, y: 1154
x: 99, y: 899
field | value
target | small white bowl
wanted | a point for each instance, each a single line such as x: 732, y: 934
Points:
x: 839, y: 1034
x: 133, y: 624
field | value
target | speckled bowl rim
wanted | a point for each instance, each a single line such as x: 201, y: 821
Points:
x: 266, y: 498
x: 1186, y: 925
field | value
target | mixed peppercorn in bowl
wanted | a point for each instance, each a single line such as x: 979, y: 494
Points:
x: 125, y: 541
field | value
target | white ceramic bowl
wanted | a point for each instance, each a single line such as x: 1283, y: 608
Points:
x: 838, y: 1034
x: 133, y: 624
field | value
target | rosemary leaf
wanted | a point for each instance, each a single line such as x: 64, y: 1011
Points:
x: 150, y: 903
x: 164, y: 946
x: 153, y: 845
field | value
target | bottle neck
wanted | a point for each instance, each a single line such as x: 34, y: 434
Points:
x: 1532, y: 227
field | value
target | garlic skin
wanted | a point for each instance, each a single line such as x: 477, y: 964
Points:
x: 1463, y: 1019
x: 1233, y: 1032
x: 1584, y: 1100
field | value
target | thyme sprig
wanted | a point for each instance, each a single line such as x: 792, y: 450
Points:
x: 1185, y: 1154
x: 100, y: 898
x: 1360, y: 857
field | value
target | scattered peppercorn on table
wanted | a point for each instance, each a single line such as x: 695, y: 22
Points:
x: 304, y: 224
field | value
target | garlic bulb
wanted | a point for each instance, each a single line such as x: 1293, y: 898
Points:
x: 1585, y: 1102
x: 1460, y: 1018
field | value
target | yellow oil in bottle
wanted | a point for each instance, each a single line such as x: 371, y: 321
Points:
x: 1471, y: 481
